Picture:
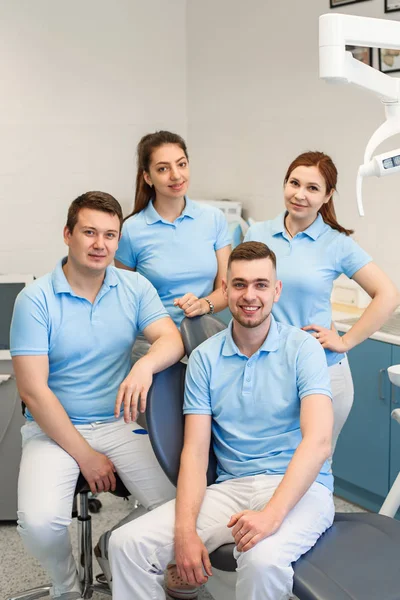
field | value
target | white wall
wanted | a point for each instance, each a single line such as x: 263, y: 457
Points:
x: 80, y: 82
x: 255, y: 101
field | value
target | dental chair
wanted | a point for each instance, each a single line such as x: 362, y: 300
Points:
x: 358, y: 558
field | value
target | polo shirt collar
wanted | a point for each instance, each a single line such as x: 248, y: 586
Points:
x: 270, y: 344
x: 152, y: 216
x: 61, y: 285
x: 313, y: 232
x: 278, y: 224
x: 316, y: 228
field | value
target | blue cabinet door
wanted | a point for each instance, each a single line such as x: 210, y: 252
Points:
x: 395, y: 426
x: 362, y: 452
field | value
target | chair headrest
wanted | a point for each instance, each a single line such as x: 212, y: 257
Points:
x: 197, y: 330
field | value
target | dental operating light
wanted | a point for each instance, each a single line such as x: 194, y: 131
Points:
x: 336, y: 65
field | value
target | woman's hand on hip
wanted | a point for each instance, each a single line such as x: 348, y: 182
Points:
x: 192, y: 306
x: 328, y: 338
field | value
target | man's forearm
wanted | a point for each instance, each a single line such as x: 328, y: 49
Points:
x: 301, y: 473
x: 165, y: 351
x: 51, y: 417
x: 192, y: 483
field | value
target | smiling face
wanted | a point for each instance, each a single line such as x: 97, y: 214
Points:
x: 251, y: 290
x: 93, y: 241
x: 168, y: 171
x: 304, y: 193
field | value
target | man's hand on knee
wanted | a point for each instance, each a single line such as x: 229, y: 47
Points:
x: 252, y: 526
x: 98, y: 470
x: 192, y: 560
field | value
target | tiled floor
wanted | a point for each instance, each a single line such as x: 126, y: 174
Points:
x: 20, y: 572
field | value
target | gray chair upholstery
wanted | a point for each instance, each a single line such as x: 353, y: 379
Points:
x: 196, y: 330
x: 165, y: 421
x: 358, y: 558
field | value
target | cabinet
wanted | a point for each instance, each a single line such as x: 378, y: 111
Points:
x: 367, y: 456
x: 11, y: 421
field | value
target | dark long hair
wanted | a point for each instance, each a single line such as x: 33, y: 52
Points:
x: 145, y: 149
x: 326, y: 167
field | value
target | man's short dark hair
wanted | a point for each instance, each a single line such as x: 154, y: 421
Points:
x: 252, y: 251
x: 96, y: 201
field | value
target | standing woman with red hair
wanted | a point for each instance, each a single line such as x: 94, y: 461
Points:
x: 312, y: 250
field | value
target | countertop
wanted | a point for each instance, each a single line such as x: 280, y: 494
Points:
x: 340, y: 312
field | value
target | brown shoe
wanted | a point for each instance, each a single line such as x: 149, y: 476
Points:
x: 177, y: 588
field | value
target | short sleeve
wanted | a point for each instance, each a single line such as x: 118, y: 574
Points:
x: 150, y: 306
x: 257, y: 233
x: 312, y: 369
x: 249, y: 235
x: 223, y: 237
x: 197, y: 387
x: 125, y: 253
x: 350, y: 257
x: 29, y: 332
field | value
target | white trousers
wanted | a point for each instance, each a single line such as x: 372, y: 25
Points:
x: 140, y: 550
x: 342, y: 396
x: 47, y: 481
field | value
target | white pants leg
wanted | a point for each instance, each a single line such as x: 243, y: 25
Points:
x: 342, y: 396
x: 47, y: 483
x: 265, y: 572
x: 140, y: 550
x: 129, y: 448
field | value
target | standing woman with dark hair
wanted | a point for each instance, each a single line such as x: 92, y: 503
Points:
x: 312, y: 250
x: 181, y: 246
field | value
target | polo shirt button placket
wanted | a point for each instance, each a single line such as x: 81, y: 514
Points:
x: 247, y: 379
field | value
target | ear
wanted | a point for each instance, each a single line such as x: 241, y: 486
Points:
x: 329, y: 196
x: 225, y: 288
x: 147, y: 179
x: 278, y: 290
x: 67, y: 236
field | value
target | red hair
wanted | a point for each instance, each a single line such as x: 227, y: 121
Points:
x: 327, y: 169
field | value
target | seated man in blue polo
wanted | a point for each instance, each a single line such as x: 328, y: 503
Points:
x: 71, y: 339
x: 260, y: 391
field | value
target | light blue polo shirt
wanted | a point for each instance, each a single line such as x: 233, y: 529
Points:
x: 176, y: 257
x: 255, y: 402
x: 308, y: 265
x: 88, y: 345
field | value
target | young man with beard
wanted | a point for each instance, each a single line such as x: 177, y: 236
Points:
x: 260, y: 391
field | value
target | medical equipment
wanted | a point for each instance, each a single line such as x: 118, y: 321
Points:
x: 336, y: 65
x: 10, y: 287
x: 231, y: 208
x: 392, y: 500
